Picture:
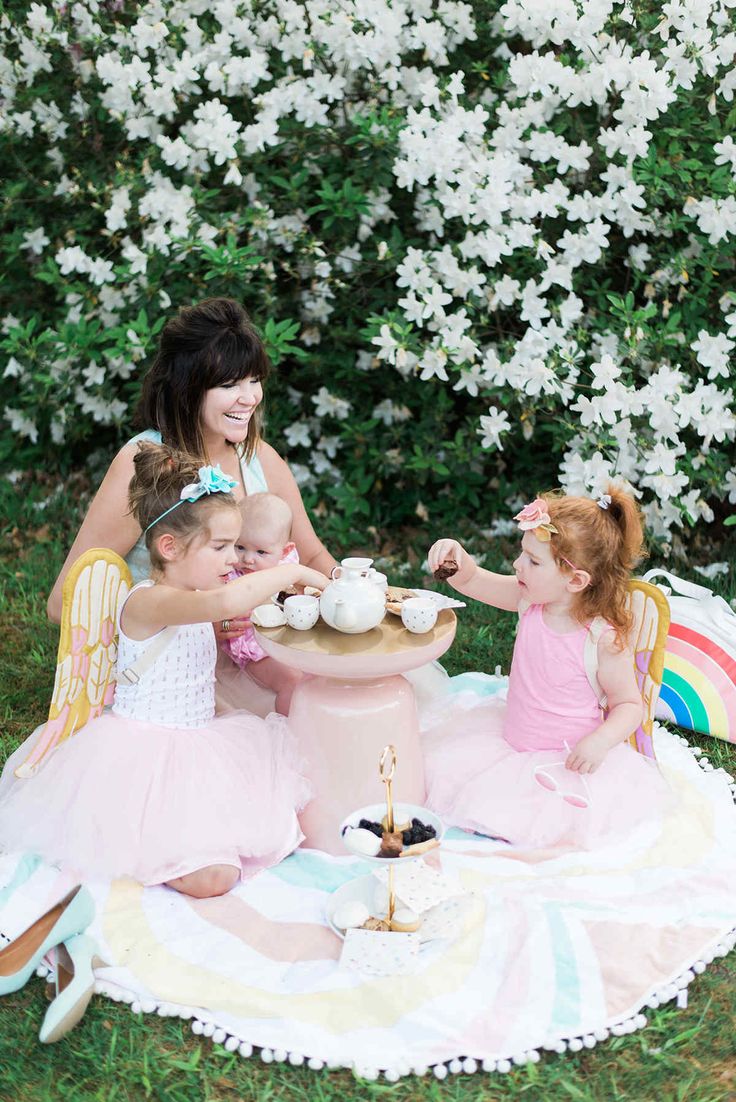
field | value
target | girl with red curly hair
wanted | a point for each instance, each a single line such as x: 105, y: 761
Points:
x: 548, y: 765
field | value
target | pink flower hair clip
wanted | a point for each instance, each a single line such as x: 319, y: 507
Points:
x: 535, y: 518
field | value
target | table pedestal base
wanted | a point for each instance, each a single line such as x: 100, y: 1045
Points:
x: 341, y: 727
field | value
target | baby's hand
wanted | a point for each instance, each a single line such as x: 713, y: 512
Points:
x: 587, y: 755
x: 450, y: 553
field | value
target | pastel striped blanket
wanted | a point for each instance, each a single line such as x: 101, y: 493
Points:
x: 550, y: 951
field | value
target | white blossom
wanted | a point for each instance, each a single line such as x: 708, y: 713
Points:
x: 13, y: 369
x: 329, y: 405
x: 729, y: 485
x: 492, y: 426
x: 35, y: 240
x: 386, y: 344
x: 388, y: 412
x: 713, y: 352
x: 116, y: 213
x: 21, y: 424
x: 726, y: 152
x: 433, y: 364
x: 298, y: 434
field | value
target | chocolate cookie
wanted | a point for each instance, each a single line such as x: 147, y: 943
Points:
x: 445, y: 570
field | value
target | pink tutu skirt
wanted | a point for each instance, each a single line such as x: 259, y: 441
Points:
x: 477, y: 781
x: 127, y: 798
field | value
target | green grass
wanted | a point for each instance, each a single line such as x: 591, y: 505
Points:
x: 114, y: 1056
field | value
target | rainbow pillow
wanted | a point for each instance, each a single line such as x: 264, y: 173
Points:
x: 699, y: 680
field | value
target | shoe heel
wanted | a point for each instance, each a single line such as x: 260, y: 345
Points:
x: 75, y: 986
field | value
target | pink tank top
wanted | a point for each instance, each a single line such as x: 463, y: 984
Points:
x: 550, y: 700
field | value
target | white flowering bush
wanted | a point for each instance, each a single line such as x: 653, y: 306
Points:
x: 490, y: 247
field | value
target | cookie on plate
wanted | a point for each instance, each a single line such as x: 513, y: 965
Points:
x: 395, y: 596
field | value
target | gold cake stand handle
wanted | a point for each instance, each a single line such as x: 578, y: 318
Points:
x: 386, y: 769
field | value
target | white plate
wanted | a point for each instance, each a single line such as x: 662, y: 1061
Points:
x: 439, y: 599
x: 434, y: 921
x: 402, y: 812
x: 360, y: 890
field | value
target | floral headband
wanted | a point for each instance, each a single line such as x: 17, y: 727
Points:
x: 535, y: 518
x: 210, y: 480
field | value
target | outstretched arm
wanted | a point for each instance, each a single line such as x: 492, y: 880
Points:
x: 280, y: 480
x: 625, y: 707
x: 148, y: 610
x: 107, y: 523
x: 500, y: 590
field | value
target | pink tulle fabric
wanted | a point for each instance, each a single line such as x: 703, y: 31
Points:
x: 128, y: 798
x: 481, y: 754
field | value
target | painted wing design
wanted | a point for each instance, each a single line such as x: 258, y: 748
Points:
x: 651, y: 623
x: 94, y: 591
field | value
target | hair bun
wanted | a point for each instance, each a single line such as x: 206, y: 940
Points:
x: 161, y: 473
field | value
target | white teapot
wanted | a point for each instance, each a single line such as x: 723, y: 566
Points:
x: 352, y: 602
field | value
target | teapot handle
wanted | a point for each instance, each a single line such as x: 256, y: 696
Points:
x: 337, y: 572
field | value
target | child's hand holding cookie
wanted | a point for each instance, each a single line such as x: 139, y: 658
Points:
x: 449, y: 561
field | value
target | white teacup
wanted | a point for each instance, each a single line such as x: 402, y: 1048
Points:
x: 301, y: 612
x: 418, y: 614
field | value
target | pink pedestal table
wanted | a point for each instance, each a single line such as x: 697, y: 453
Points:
x: 353, y: 705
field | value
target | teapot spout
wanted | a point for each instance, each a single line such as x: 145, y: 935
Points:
x: 345, y: 616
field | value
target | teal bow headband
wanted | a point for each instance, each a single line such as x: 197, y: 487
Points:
x: 211, y: 480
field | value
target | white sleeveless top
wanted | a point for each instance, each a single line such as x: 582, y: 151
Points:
x: 254, y: 480
x: 178, y: 690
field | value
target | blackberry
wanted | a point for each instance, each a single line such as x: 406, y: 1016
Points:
x: 407, y: 837
x: 374, y: 828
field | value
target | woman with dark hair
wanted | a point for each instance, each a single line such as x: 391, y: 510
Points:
x: 203, y: 396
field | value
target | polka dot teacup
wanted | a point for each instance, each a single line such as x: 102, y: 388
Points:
x: 302, y: 612
x: 419, y: 614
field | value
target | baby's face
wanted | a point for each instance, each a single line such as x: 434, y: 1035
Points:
x: 258, y: 550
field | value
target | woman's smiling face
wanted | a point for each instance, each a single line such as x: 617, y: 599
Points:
x: 227, y: 410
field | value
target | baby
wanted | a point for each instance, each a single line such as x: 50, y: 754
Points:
x: 265, y: 541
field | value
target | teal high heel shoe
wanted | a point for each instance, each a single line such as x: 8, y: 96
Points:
x: 70, y: 916
x: 75, y: 984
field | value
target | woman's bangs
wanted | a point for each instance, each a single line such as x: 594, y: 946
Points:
x: 236, y: 357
